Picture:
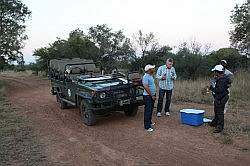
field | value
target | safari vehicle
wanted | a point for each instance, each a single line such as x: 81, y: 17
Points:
x: 79, y: 83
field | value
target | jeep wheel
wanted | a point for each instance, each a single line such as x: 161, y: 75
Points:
x: 62, y: 104
x: 57, y: 98
x: 87, y: 115
x: 131, y: 110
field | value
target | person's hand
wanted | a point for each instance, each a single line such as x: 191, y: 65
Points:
x: 164, y: 77
x: 173, y: 78
x: 154, y: 97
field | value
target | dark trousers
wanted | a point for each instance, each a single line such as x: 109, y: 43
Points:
x: 219, y: 107
x: 162, y: 93
x: 148, y: 110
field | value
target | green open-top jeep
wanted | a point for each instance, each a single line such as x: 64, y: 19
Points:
x: 78, y: 82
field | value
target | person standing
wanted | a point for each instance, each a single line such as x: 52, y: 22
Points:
x: 230, y: 75
x: 149, y: 96
x: 166, y: 75
x: 220, y: 92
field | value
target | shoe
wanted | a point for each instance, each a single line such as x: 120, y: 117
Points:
x: 167, y: 113
x: 217, y: 131
x: 158, y: 114
x: 150, y: 130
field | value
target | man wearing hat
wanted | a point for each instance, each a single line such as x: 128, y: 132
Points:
x: 149, y: 96
x: 230, y: 75
x: 220, y: 93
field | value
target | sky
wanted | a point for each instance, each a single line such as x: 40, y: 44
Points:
x: 172, y: 21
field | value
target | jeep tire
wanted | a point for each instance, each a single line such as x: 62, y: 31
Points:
x: 87, y: 115
x: 131, y: 110
x: 62, y: 104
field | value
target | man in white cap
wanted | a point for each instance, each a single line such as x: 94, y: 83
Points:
x: 230, y: 75
x: 220, y: 93
x: 149, y: 96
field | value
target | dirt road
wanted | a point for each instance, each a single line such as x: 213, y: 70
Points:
x: 116, y: 140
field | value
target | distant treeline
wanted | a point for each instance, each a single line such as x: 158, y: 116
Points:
x: 112, y: 49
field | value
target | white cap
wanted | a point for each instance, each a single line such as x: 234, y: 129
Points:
x: 224, y: 61
x: 148, y: 67
x: 218, y: 68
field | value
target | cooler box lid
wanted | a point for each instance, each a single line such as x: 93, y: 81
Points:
x: 192, y: 111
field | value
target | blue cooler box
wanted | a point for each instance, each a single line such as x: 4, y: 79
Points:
x: 192, y: 117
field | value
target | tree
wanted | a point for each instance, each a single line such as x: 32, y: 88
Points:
x: 240, y: 34
x: 114, y: 46
x: 107, y: 47
x: 76, y: 46
x: 13, y: 14
x: 20, y: 62
x: 79, y: 45
x: 231, y: 55
x: 156, y: 56
x: 2, y: 63
x: 190, y: 62
x: 145, y: 42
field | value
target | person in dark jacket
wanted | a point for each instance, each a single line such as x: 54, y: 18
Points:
x: 220, y: 93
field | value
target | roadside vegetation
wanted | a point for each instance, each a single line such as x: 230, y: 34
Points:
x: 195, y: 90
x: 19, y: 145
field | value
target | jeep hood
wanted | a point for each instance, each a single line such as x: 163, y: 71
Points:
x: 101, y: 82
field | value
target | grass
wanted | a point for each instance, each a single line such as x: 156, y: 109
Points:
x: 241, y: 90
x: 237, y: 117
x: 195, y: 90
x: 19, y: 145
x: 192, y: 91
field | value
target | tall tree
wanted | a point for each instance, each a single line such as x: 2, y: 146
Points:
x: 240, y: 34
x: 114, y: 46
x: 145, y: 42
x: 13, y: 14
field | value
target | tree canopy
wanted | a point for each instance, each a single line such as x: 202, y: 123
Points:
x: 13, y: 15
x: 240, y: 34
x: 112, y: 49
x: 114, y: 45
x: 77, y: 45
x: 103, y: 45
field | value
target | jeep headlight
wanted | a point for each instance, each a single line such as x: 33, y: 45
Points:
x: 102, y: 95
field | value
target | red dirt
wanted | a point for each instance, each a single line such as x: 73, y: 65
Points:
x: 117, y: 139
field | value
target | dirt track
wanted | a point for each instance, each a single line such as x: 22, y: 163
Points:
x: 115, y: 140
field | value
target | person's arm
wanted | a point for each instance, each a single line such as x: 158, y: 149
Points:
x: 146, y: 87
x: 173, y: 74
x: 159, y: 73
